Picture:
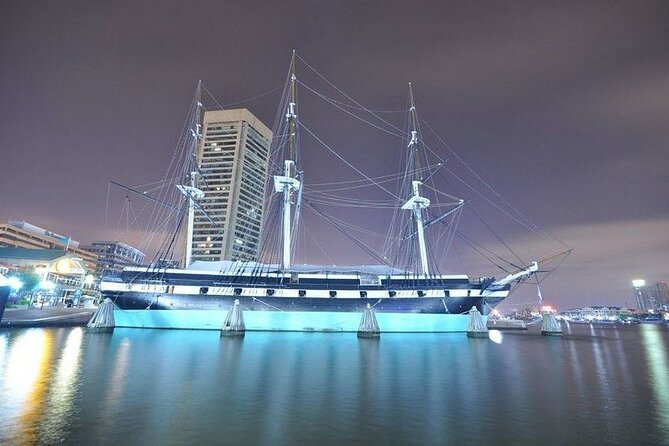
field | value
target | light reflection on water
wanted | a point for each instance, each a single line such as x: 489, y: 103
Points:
x: 654, y: 343
x: 24, y: 386
x: 59, y: 404
x: 67, y: 386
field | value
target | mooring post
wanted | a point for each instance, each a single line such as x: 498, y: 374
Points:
x: 550, y: 325
x: 234, y: 321
x: 369, y: 327
x: 476, y: 328
x: 103, y: 318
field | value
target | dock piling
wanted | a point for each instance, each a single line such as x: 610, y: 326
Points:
x: 234, y: 321
x: 550, y: 325
x: 103, y: 318
x: 476, y: 328
x: 369, y: 327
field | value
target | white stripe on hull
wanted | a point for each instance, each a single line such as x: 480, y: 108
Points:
x: 290, y: 292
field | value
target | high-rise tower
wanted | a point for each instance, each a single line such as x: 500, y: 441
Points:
x: 232, y: 159
x: 651, y: 297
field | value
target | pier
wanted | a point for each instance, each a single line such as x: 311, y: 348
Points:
x: 45, y: 317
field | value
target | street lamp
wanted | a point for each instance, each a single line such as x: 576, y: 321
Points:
x: 14, y: 283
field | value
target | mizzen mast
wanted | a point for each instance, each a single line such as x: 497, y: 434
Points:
x: 417, y: 202
x: 287, y: 183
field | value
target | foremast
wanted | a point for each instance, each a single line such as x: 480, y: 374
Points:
x: 287, y: 183
x: 417, y: 203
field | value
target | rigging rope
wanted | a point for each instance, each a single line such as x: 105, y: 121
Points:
x: 360, y: 244
x: 344, y: 160
x: 253, y: 98
x: 491, y: 189
x: 350, y: 113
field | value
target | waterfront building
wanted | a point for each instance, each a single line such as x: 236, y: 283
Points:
x: 62, y: 274
x: 651, y: 297
x: 232, y: 159
x: 113, y: 256
x: 20, y: 234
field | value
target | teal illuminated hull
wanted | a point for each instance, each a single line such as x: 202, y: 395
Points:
x: 292, y: 321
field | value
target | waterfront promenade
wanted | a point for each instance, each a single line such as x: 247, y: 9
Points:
x: 45, y: 317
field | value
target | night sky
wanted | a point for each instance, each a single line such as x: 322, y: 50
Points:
x: 562, y: 106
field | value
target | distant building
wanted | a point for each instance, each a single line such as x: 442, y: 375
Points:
x: 20, y: 234
x: 113, y: 256
x: 595, y: 313
x: 232, y: 159
x: 166, y: 264
x: 651, y: 297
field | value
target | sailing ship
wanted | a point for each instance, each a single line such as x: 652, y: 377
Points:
x: 284, y: 296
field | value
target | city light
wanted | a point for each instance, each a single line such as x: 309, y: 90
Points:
x: 89, y: 279
x: 495, y: 336
x: 636, y: 283
x: 14, y: 283
x: 41, y: 271
x: 548, y: 309
x: 47, y: 285
x: 65, y: 266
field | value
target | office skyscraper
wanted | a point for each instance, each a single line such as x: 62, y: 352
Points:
x: 651, y: 297
x: 232, y: 158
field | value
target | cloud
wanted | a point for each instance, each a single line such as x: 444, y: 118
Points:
x: 637, y: 100
x: 519, y: 51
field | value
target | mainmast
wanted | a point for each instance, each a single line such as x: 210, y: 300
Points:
x: 190, y: 191
x: 288, y: 183
x: 417, y: 203
x: 193, y: 194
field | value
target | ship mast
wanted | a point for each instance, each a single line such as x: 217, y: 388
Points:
x: 288, y: 183
x: 417, y: 203
x: 192, y: 193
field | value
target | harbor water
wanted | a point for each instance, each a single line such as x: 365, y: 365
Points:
x: 594, y: 385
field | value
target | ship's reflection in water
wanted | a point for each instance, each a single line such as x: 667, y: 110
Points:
x: 596, y: 385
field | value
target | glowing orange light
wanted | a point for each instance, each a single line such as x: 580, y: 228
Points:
x: 64, y: 266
